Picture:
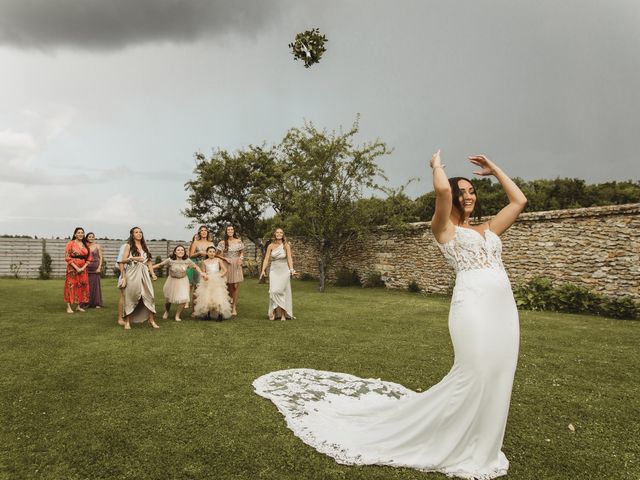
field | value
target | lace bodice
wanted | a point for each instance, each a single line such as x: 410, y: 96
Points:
x: 468, y: 250
x: 178, y: 267
x: 234, y: 251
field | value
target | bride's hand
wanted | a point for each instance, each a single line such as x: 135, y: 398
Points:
x: 435, y: 160
x: 486, y: 165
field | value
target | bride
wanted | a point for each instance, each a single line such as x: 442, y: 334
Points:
x: 458, y: 425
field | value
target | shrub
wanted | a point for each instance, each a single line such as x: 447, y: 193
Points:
x: 15, y: 268
x: 307, y: 277
x: 535, y: 295
x: 373, y: 280
x: 541, y: 294
x: 347, y: 278
x: 159, y: 271
x: 574, y: 299
x: 620, y: 307
x: 46, y: 266
x: 413, y: 287
x: 103, y: 268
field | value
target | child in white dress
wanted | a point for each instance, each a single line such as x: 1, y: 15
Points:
x: 211, y: 296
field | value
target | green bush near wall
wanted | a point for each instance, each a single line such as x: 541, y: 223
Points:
x: 347, y: 278
x: 46, y: 267
x: 159, y: 271
x: 541, y: 294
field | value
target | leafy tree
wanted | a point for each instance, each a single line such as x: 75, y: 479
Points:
x: 322, y: 176
x: 543, y: 194
x: 232, y: 188
x: 397, y: 209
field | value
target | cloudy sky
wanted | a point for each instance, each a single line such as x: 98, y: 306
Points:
x: 103, y: 103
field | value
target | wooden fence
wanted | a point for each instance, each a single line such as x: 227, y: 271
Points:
x: 22, y: 257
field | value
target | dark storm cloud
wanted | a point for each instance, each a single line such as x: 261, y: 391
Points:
x: 115, y: 24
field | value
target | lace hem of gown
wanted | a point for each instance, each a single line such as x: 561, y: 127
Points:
x: 302, y: 393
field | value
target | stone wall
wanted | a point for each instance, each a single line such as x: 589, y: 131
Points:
x: 596, y: 247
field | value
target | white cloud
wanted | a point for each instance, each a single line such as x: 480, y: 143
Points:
x: 16, y: 148
x: 119, y: 209
x: 28, y: 138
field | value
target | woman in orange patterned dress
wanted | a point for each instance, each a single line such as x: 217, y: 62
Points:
x: 76, y: 284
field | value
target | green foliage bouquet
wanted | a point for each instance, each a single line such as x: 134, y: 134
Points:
x: 308, y: 46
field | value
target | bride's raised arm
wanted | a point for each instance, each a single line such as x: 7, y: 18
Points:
x: 441, y: 225
x: 517, y: 201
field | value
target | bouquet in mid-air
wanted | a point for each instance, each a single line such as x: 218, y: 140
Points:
x: 308, y: 46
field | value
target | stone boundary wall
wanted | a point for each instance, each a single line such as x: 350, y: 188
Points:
x: 596, y: 247
x: 25, y: 254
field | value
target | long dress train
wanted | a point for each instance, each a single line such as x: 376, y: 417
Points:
x: 457, y: 426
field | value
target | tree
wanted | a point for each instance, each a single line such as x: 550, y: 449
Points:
x: 232, y: 188
x: 322, y: 176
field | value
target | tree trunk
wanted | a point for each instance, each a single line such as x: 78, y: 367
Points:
x: 322, y: 269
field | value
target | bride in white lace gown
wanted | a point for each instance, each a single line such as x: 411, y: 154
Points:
x: 458, y: 425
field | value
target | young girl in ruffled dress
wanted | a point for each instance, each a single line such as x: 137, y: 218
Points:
x: 176, y: 289
x: 211, y: 295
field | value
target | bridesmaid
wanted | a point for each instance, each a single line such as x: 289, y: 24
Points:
x: 176, y: 288
x: 139, y: 299
x: 232, y: 250
x: 76, y: 285
x: 94, y: 269
x: 280, y: 272
x: 197, y: 253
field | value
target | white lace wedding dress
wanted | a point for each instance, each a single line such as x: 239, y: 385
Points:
x: 457, y: 426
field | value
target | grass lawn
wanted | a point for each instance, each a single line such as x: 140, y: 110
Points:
x: 80, y: 398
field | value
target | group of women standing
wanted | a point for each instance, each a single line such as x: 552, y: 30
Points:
x: 84, y: 266
x: 207, y: 275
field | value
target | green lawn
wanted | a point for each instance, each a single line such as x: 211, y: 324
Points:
x: 81, y: 398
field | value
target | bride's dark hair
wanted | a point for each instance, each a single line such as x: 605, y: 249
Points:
x: 456, y: 194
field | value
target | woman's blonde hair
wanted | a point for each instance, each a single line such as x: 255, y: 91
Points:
x: 273, y: 236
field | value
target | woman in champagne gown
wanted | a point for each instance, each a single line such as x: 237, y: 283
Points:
x: 457, y: 426
x: 278, y: 254
x: 139, y: 297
